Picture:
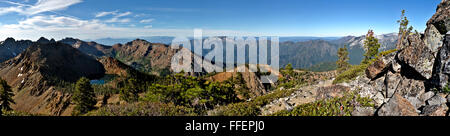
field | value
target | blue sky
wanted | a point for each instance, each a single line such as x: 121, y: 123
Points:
x: 94, y: 19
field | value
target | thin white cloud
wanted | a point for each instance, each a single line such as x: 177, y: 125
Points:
x: 123, y: 14
x: 116, y: 14
x: 41, y: 6
x: 147, y: 20
x: 59, y: 27
x: 117, y: 20
x: 50, y: 22
x: 10, y: 9
x: 102, y: 14
x: 117, y: 17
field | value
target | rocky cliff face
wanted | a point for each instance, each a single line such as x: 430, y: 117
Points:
x: 409, y: 82
x: 252, y: 80
x: 90, y: 48
x: 114, y: 66
x: 148, y: 57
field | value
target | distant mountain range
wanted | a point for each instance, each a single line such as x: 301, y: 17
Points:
x: 307, y: 54
x: 168, y: 39
x: 302, y: 52
x: 153, y: 39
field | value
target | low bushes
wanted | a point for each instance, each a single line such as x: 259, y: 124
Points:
x: 343, y: 106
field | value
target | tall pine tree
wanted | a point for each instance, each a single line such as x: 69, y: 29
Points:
x: 342, y: 62
x: 371, y: 44
x: 6, y: 95
x: 83, y: 97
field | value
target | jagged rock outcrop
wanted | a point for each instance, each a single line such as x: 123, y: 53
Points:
x: 252, y: 81
x: 90, y: 48
x: 417, y: 55
x: 408, y: 82
x: 114, y: 66
x: 420, y: 52
x: 10, y: 48
x: 441, y: 68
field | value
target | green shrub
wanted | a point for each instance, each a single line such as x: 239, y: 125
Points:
x: 143, y: 109
x: 18, y: 113
x: 251, y: 108
x: 357, y: 70
x: 238, y: 109
x: 343, y: 106
x: 446, y: 89
x: 351, y: 73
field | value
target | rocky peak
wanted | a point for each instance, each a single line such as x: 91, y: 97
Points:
x: 69, y: 40
x: 139, y: 42
x: 9, y: 40
x: 441, y: 20
x: 11, y: 48
x: 43, y: 40
x: 90, y: 48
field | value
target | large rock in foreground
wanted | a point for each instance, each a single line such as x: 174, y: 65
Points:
x: 397, y: 106
x: 442, y: 65
x: 416, y: 57
x: 380, y: 66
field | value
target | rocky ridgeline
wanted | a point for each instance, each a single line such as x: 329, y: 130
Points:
x: 11, y: 48
x: 409, y: 81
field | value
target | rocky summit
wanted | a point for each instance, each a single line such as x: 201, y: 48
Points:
x: 411, y: 81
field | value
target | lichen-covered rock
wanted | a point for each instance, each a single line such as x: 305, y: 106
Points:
x: 420, y: 53
x: 411, y: 88
x: 441, y: 19
x: 392, y: 81
x: 417, y: 56
x: 448, y: 99
x: 363, y: 111
x: 379, y: 66
x: 435, y: 110
x: 433, y: 39
x: 397, y: 106
x: 334, y: 91
x: 442, y: 65
x: 436, y: 100
x: 427, y: 95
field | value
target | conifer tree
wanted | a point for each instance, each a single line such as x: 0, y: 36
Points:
x: 342, y: 62
x: 404, y: 28
x: 83, y: 97
x: 289, y: 69
x: 6, y: 95
x: 371, y: 44
x: 130, y: 92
